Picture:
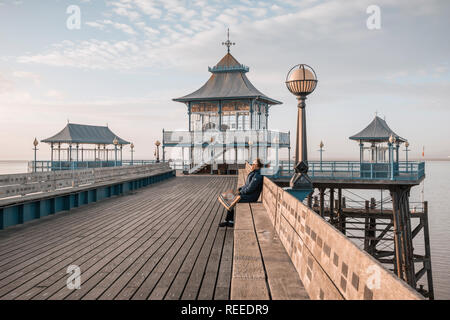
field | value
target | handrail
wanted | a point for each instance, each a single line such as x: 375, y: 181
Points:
x: 26, y: 183
x: 402, y: 170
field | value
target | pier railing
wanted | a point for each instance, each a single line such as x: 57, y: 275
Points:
x: 12, y: 185
x: 47, y: 165
x: 411, y: 170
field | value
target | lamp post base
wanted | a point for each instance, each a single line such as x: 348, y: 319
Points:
x: 299, y: 194
x: 300, y: 185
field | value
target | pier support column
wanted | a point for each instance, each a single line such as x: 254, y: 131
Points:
x: 367, y: 227
x: 339, y: 209
x: 427, y: 262
x: 332, y: 217
x: 404, y: 259
x: 322, y: 201
x: 372, y: 229
x: 343, y: 219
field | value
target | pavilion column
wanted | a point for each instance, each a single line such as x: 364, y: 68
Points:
x: 182, y: 158
x: 220, y: 115
x: 82, y: 154
x: 397, y: 146
x: 258, y: 125
x: 251, y: 114
x: 361, y: 151
x: 121, y: 147
x: 189, y: 115
x: 70, y: 155
x: 99, y: 157
x: 51, y: 156
x: 77, y: 153
x: 267, y: 117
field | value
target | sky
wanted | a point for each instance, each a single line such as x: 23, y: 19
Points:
x: 129, y: 58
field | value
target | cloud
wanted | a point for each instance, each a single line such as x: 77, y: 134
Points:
x: 54, y: 94
x: 132, y: 15
x: 120, y: 26
x: 94, y: 24
x: 27, y: 75
x: 5, y: 85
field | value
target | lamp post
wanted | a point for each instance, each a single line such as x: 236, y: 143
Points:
x: 321, y: 150
x: 391, y: 154
x: 406, y: 151
x: 132, y: 151
x: 157, y: 144
x: 301, y: 80
x: 35, y: 144
x: 115, y: 142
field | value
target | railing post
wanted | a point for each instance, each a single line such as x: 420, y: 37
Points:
x: 371, y: 171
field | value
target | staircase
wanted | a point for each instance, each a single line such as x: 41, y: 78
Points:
x: 198, y: 168
x: 202, y: 165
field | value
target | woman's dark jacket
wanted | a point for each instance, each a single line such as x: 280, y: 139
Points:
x: 252, y: 188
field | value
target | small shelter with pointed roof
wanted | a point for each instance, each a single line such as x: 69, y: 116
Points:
x: 381, y: 137
x: 85, y: 146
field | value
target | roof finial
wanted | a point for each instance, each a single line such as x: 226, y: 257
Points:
x: 376, y: 113
x: 228, y: 43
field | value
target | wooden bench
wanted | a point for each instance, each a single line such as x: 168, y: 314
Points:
x: 262, y: 268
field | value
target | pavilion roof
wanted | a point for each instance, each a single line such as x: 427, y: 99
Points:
x: 81, y: 133
x: 228, y: 81
x: 376, y: 131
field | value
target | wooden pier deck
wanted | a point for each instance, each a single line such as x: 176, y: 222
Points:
x: 160, y: 242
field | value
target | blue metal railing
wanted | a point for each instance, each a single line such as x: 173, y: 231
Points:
x: 411, y: 170
x: 241, y: 67
x: 46, y: 165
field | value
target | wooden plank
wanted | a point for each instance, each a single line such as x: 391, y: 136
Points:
x: 248, y: 278
x: 167, y: 269
x: 283, y: 279
x: 96, y: 240
x: 179, y: 283
x: 224, y: 276
x: 115, y: 236
x: 95, y: 274
x: 29, y: 233
x: 80, y: 234
x: 132, y: 285
x: 208, y: 283
x: 195, y: 278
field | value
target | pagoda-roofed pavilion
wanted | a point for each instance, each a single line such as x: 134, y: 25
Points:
x: 228, y: 98
x: 229, y: 105
x: 381, y: 137
x: 85, y: 146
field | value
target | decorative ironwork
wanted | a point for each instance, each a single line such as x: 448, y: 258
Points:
x: 228, y: 43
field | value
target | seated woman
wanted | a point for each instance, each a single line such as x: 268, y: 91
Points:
x: 249, y: 192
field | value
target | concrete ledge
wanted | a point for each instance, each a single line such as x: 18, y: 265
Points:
x: 328, y: 263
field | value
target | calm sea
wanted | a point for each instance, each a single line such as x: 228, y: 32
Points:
x: 436, y: 192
